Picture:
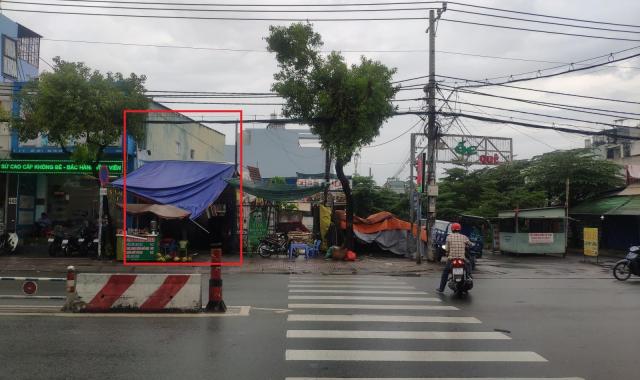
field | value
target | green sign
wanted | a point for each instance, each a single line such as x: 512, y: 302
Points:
x: 465, y: 150
x: 144, y: 249
x: 55, y: 167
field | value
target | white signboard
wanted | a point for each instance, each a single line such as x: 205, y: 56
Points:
x: 474, y: 150
x: 540, y: 238
x: 334, y: 184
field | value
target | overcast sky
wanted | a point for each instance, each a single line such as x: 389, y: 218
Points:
x: 206, y: 70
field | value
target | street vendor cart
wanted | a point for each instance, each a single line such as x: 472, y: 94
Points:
x: 148, y: 244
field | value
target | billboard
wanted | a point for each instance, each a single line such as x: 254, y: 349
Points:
x: 474, y: 150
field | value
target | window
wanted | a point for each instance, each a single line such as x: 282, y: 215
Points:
x: 29, y: 50
x: 178, y: 148
x: 507, y: 225
x: 540, y: 225
x: 192, y: 154
x: 9, y: 57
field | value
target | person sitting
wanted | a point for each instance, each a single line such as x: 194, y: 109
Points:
x: 42, y: 224
x: 456, y: 249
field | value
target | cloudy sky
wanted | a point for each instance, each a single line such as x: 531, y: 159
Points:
x: 397, y: 43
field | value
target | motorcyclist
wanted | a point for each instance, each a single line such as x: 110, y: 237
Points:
x: 455, y: 249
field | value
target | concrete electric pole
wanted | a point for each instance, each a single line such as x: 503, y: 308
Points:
x: 432, y: 131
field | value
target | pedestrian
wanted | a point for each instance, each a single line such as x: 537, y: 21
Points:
x: 456, y: 249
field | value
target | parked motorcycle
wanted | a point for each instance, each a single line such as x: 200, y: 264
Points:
x: 276, y: 244
x: 57, y: 241
x: 460, y: 280
x: 88, y: 241
x: 629, y: 265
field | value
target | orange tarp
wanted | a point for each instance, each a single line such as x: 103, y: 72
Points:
x: 381, y: 221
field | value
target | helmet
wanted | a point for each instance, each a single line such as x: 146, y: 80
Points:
x: 455, y: 227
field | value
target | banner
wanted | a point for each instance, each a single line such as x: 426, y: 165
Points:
x: 590, y: 241
x: 541, y: 238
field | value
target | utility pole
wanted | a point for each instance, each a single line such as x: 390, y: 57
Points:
x: 432, y: 129
x: 412, y: 185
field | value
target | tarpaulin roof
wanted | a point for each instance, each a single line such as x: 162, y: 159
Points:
x: 616, y: 205
x: 276, y: 191
x: 162, y: 211
x: 381, y: 221
x: 189, y: 185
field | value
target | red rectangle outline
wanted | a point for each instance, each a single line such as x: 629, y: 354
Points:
x: 124, y: 189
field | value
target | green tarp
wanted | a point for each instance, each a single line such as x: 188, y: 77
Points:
x: 616, y: 205
x: 275, y: 191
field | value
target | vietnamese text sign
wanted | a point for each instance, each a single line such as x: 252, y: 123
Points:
x: 540, y: 238
x: 142, y: 249
x: 55, y: 166
x: 590, y: 241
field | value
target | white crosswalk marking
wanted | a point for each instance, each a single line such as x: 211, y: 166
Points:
x: 368, y: 306
x: 415, y: 356
x: 410, y: 336
x: 361, y: 334
x: 365, y: 298
x: 377, y: 318
x: 367, y: 286
x: 354, y: 291
x: 434, y: 378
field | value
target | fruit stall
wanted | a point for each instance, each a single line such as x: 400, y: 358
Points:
x: 152, y: 242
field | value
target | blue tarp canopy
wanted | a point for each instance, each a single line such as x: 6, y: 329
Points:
x: 189, y: 185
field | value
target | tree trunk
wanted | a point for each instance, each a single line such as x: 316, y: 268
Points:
x: 327, y: 173
x: 348, y: 237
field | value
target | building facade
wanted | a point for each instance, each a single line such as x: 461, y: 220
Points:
x: 279, y: 152
x: 174, y: 136
x: 396, y: 185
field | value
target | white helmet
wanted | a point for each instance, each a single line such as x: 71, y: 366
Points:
x: 12, y: 241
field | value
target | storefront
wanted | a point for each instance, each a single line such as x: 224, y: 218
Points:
x: 63, y: 189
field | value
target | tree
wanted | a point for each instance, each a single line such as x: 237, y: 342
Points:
x: 369, y: 198
x: 588, y: 174
x: 344, y: 105
x: 80, y: 109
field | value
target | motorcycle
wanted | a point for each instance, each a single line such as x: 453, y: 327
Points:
x: 57, y: 241
x: 88, y: 241
x: 624, y: 268
x: 276, y: 244
x: 460, y: 280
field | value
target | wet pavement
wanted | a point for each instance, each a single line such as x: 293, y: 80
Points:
x: 525, y: 318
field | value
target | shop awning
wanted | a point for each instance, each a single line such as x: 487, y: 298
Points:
x: 276, y: 192
x: 189, y: 185
x: 616, y: 205
x: 162, y: 211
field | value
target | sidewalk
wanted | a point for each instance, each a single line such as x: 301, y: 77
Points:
x: 504, y: 266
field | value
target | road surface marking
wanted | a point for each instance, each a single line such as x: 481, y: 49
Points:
x: 366, y: 298
x: 353, y: 291
x: 378, y: 318
x: 434, y: 378
x: 343, y: 282
x: 384, y: 286
x: 371, y: 307
x: 358, y: 334
x: 414, y: 356
x: 232, y: 311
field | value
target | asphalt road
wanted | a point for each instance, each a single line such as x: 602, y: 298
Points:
x: 297, y: 328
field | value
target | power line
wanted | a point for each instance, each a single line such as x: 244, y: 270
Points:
x: 552, y: 105
x: 544, y: 91
x: 538, y: 126
x: 543, y: 15
x: 395, y: 138
x: 536, y: 114
x: 540, y: 30
x: 536, y: 21
x: 147, y: 8
x: 259, y: 5
x: 156, y: 16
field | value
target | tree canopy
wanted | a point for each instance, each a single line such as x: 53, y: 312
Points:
x: 538, y: 182
x: 369, y: 198
x: 344, y: 105
x: 80, y: 107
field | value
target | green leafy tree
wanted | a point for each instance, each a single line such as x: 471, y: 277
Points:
x: 80, y: 109
x: 588, y: 175
x: 344, y: 105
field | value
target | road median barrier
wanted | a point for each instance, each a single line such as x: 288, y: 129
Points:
x: 98, y: 292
